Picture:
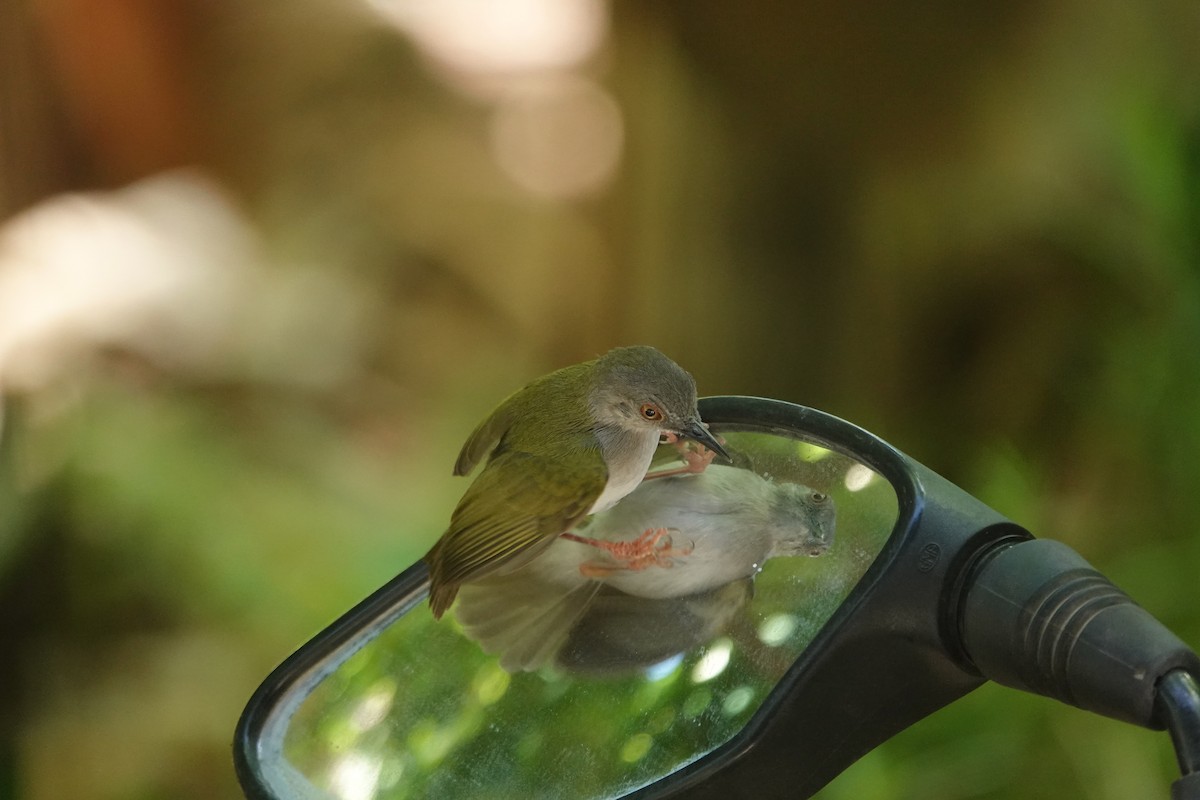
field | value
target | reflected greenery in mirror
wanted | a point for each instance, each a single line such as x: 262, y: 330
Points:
x: 646, y: 671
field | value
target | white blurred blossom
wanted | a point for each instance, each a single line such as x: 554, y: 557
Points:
x: 170, y: 270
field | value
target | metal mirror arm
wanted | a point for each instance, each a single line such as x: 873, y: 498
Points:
x: 1179, y: 703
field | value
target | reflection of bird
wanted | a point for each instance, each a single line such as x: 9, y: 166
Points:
x: 569, y: 444
x: 722, y: 526
x: 621, y: 633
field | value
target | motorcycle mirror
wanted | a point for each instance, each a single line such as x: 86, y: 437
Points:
x: 818, y: 595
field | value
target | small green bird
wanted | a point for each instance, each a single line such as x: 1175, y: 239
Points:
x: 569, y: 444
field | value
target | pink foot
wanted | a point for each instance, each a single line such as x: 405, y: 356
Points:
x: 651, y: 549
x: 696, y: 458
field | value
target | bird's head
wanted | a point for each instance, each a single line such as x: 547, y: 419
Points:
x: 640, y: 389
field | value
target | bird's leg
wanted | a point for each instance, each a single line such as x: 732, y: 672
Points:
x: 653, y: 548
x: 696, y: 459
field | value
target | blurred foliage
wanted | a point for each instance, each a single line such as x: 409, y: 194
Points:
x: 973, y: 230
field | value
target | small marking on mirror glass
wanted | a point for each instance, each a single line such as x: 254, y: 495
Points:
x: 737, y: 701
x: 714, y: 662
x: 859, y: 477
x: 776, y: 629
x: 636, y: 748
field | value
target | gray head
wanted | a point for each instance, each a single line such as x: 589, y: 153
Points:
x: 803, y: 521
x: 639, y: 389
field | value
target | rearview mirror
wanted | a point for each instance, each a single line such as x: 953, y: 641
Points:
x: 815, y: 596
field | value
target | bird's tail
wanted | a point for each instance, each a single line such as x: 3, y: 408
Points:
x: 441, y: 597
x: 441, y: 592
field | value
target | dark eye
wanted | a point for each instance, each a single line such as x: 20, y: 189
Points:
x: 650, y: 411
x: 817, y: 497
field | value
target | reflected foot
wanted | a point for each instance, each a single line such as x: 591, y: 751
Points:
x: 652, y: 549
x: 696, y: 457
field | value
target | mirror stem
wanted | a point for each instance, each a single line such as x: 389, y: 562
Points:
x: 1179, y: 703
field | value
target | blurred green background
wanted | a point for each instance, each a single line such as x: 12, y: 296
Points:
x: 263, y: 265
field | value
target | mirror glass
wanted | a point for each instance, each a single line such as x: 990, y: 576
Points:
x: 586, y: 674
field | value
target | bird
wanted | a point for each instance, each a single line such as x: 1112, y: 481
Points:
x: 576, y: 605
x: 722, y: 525
x: 569, y: 444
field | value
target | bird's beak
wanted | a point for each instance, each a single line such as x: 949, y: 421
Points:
x: 695, y: 430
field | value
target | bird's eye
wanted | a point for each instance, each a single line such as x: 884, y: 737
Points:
x: 650, y: 411
x: 817, y: 497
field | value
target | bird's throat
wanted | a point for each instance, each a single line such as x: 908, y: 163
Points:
x: 627, y: 455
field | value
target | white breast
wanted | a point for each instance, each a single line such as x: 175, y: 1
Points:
x: 628, y: 457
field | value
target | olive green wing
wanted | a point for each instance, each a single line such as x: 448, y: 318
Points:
x: 561, y: 391
x: 520, y: 501
x: 485, y: 437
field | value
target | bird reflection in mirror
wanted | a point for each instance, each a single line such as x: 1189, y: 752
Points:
x: 581, y: 608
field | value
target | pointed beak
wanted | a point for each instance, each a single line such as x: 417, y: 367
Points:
x: 695, y: 430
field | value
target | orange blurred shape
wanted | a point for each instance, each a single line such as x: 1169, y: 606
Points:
x: 122, y: 67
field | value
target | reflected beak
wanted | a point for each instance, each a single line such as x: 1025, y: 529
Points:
x: 695, y: 430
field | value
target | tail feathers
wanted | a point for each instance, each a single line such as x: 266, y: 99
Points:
x: 441, y: 597
x: 522, y: 619
x: 441, y: 593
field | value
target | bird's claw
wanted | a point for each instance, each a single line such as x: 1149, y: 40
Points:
x: 696, y: 457
x: 652, y: 549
